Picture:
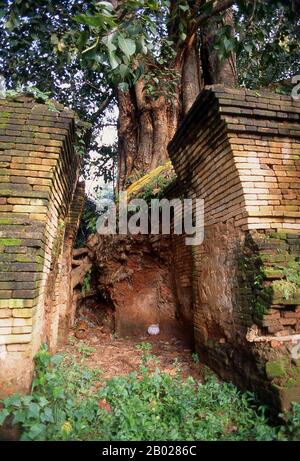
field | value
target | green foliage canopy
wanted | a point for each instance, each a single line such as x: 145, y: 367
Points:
x: 83, y: 52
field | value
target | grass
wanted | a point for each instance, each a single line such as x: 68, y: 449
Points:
x: 71, y: 402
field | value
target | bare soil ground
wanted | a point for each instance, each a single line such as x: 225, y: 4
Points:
x: 116, y: 357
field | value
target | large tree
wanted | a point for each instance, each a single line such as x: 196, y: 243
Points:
x: 151, y: 57
x: 177, y: 61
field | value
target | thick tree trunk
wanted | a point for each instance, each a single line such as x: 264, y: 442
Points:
x: 146, y: 126
x: 214, y: 70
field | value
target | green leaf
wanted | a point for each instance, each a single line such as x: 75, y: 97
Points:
x: 123, y: 70
x: 113, y: 60
x: 58, y: 392
x: 142, y: 45
x: 108, y: 41
x: 19, y: 417
x: 9, y: 25
x: 184, y: 7
x: 229, y: 44
x: 43, y: 402
x: 33, y: 410
x: 123, y: 86
x: 27, y: 399
x: 47, y: 415
x: 94, y: 21
x: 105, y: 5
x: 36, y: 430
x: 127, y: 45
x: 56, y: 359
x: 54, y: 39
x: 3, y: 415
x: 14, y: 400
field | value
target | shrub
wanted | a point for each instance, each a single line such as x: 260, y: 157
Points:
x: 71, y: 402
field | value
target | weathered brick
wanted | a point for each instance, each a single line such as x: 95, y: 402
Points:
x: 15, y: 339
x: 261, y: 162
x: 21, y: 322
x: 8, y: 322
x: 21, y: 330
x: 5, y: 313
x: 22, y: 313
x: 17, y: 347
x: 4, y: 331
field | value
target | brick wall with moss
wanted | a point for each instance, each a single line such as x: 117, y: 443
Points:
x: 240, y: 152
x: 38, y: 174
x: 270, y: 266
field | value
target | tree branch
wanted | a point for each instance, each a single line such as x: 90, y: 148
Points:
x: 220, y: 6
x: 93, y: 86
x: 102, y: 107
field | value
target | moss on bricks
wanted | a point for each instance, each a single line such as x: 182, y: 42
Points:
x: 11, y: 303
x: 24, y: 259
x: 291, y: 382
x: 284, y: 289
x: 272, y: 259
x: 273, y: 273
x: 278, y: 235
x: 6, y: 222
x: 9, y: 242
x: 16, y: 303
x: 275, y: 369
x: 4, y: 114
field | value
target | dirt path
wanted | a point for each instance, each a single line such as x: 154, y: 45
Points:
x: 116, y: 357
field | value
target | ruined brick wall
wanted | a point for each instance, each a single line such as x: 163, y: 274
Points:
x: 182, y: 267
x: 240, y: 152
x: 65, y: 285
x: 183, y: 280
x: 39, y: 173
